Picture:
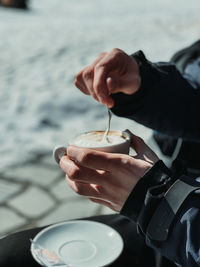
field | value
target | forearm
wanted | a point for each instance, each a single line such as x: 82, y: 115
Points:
x: 166, y: 101
x: 168, y: 215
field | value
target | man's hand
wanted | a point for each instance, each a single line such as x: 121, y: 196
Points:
x: 110, y: 73
x: 106, y: 178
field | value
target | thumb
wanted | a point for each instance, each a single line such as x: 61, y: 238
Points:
x: 137, y: 143
x: 143, y: 151
x: 112, y: 85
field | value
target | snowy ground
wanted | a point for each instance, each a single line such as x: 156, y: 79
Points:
x: 41, y: 51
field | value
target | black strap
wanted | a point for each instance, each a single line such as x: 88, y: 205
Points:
x: 161, y: 220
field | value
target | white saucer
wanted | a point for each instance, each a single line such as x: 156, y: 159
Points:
x: 81, y: 243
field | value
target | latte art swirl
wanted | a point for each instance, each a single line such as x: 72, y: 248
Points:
x: 116, y: 142
x: 95, y: 139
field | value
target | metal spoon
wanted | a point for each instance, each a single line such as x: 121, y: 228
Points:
x: 105, y: 136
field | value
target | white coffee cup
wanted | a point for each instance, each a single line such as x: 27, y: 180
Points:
x: 118, y: 142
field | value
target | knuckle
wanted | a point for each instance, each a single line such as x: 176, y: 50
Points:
x: 78, y: 77
x: 68, y: 181
x: 97, y: 87
x: 74, y: 173
x: 102, y: 54
x: 117, y: 161
x: 79, y: 189
x: 125, y: 161
x: 116, y: 51
x: 100, y: 65
x: 84, y: 157
x: 76, y: 82
x: 87, y: 75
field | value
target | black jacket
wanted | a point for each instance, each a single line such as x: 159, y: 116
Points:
x: 166, y: 208
x: 166, y: 101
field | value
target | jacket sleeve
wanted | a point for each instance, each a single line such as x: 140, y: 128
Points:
x: 166, y: 101
x: 167, y: 213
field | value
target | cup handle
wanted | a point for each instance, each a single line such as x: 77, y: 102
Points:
x: 59, y: 152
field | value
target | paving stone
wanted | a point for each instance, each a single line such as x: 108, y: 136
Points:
x: 71, y: 210
x: 34, y: 173
x: 8, y: 189
x: 9, y: 221
x: 33, y: 202
x: 62, y: 191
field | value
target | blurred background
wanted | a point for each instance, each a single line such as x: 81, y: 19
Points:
x: 42, y: 46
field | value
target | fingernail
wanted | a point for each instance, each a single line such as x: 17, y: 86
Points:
x: 110, y: 105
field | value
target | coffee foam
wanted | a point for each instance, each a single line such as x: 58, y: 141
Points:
x: 95, y: 139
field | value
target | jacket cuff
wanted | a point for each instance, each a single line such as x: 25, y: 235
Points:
x: 147, y: 70
x: 155, y: 176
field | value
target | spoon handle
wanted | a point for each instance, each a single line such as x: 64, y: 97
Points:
x: 108, y: 127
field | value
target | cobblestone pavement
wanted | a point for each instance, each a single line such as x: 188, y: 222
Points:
x: 35, y: 194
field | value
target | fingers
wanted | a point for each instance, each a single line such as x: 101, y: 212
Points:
x: 107, y: 177
x: 94, y: 79
x: 110, y: 63
x: 137, y: 143
x: 111, y: 72
x: 93, y: 159
x: 97, y: 184
x: 79, y: 83
x: 84, y: 189
x: 85, y: 78
x: 82, y: 174
x: 84, y: 81
x: 101, y: 74
x: 91, y: 191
